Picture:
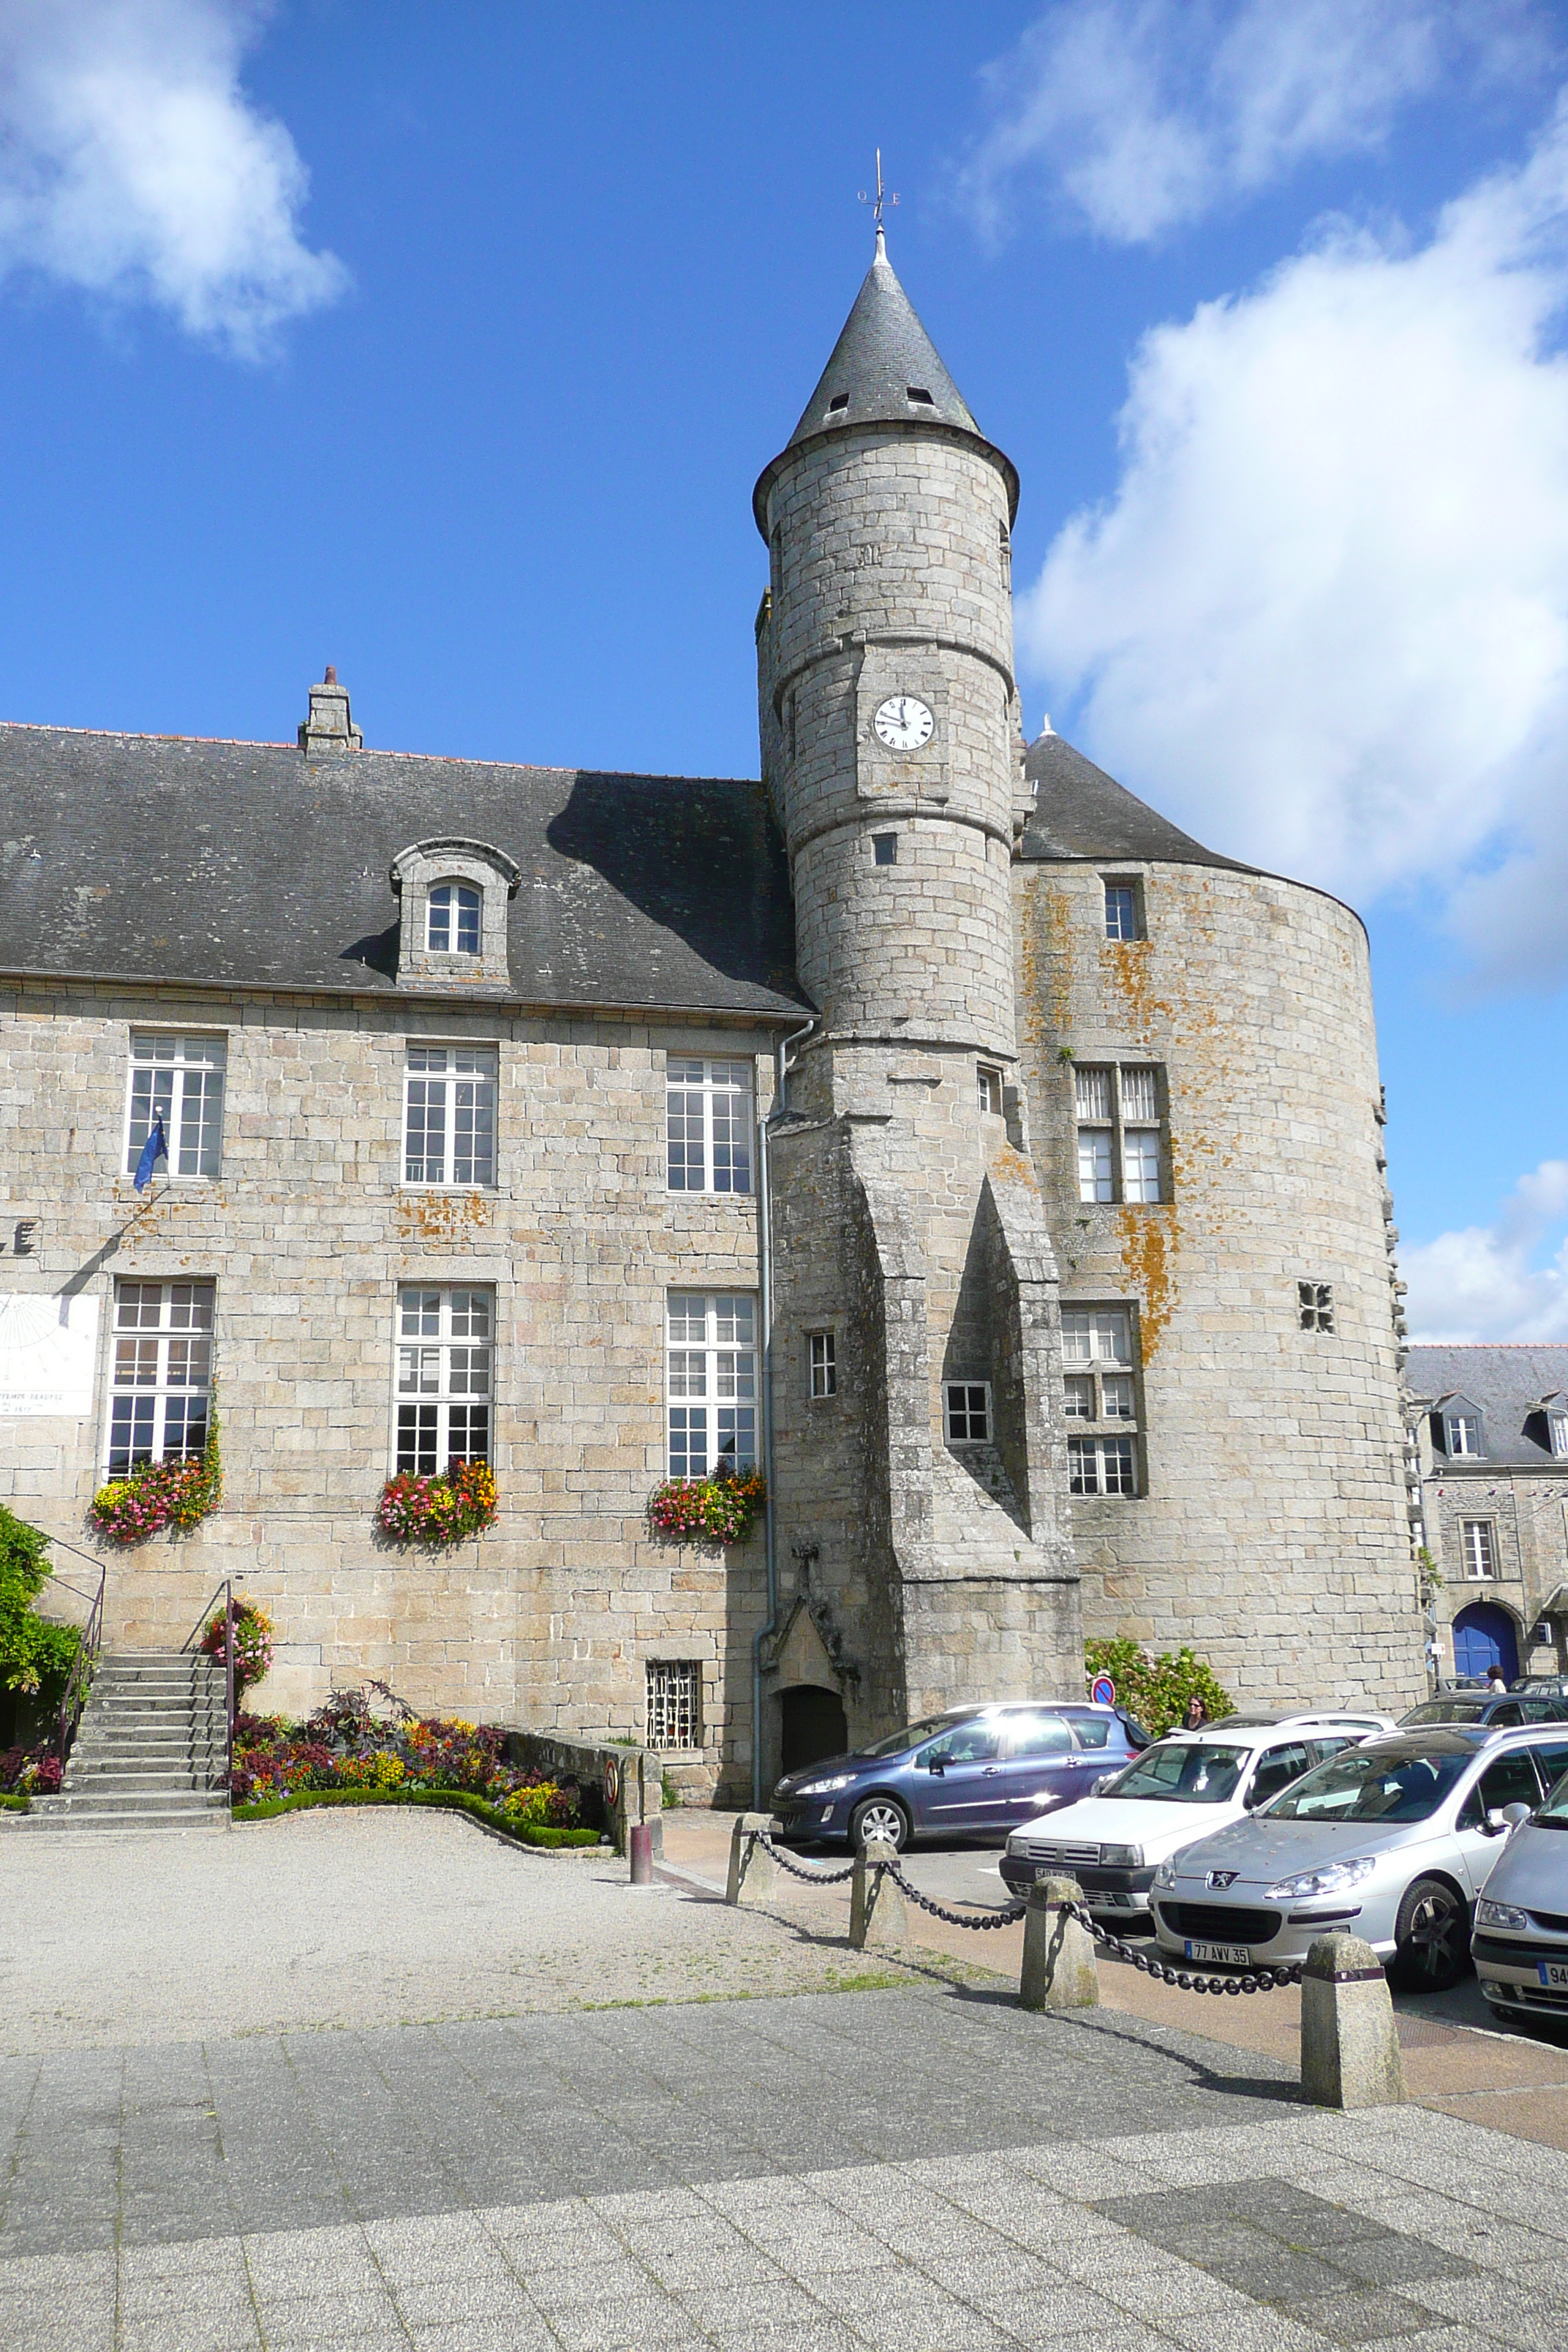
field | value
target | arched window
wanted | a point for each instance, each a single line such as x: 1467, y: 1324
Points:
x: 452, y: 919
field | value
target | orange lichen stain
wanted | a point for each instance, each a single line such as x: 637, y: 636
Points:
x: 1127, y: 966
x: 1149, y: 1245
x: 441, y: 1216
x: 1046, y: 957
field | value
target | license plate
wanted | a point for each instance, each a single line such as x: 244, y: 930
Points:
x: 1553, y: 1973
x: 1235, y: 1955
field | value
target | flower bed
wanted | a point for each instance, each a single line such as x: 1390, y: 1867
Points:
x: 459, y: 1502
x: 707, y: 1510
x: 252, y: 1642
x: 447, y: 1799
x: 27, y: 1772
x: 179, y: 1493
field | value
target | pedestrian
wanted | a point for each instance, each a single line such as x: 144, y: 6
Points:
x: 1496, y: 1682
x: 1196, y: 1715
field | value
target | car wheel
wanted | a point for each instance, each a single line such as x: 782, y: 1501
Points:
x: 879, y: 1817
x: 1431, y: 1936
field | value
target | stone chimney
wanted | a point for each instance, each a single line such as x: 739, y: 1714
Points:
x: 329, y: 727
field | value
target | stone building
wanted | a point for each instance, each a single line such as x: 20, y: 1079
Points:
x: 1490, y: 1427
x: 930, y: 1124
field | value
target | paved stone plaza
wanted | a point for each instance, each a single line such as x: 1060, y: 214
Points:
x: 918, y: 2165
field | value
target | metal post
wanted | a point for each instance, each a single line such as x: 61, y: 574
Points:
x: 228, y: 1670
x: 641, y: 1842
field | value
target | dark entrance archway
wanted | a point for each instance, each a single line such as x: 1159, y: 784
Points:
x: 1484, y: 1637
x: 811, y: 1724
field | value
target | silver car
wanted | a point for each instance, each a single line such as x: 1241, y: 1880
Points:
x: 1520, y: 1943
x: 1394, y: 1841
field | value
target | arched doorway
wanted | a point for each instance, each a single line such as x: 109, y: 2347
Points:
x: 811, y: 1726
x: 1484, y: 1637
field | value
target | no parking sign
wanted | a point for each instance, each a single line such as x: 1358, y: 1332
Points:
x: 1104, y: 1691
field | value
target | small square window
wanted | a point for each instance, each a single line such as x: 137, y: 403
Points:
x: 1078, y: 1393
x: 824, y: 1364
x: 674, y: 1703
x: 990, y: 1091
x: 1315, y: 1306
x: 1478, y: 1546
x: 885, y: 849
x: 1122, y: 911
x: 967, y: 1409
x: 1101, y: 1466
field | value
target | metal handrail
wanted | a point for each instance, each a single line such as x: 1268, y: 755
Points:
x: 79, y: 1680
x: 197, y: 1629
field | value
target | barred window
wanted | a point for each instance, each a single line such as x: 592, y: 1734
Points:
x: 711, y: 1383
x: 708, y: 1125
x: 162, y: 1372
x: 1119, y: 1134
x: 450, y: 1116
x: 966, y: 1410
x: 674, y: 1703
x: 1477, y: 1545
x: 180, y: 1080
x: 1315, y: 1305
x: 1101, y: 1466
x: 452, y: 919
x: 445, y: 1369
x: 824, y: 1363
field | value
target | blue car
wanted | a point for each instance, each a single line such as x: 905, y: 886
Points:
x: 973, y: 1772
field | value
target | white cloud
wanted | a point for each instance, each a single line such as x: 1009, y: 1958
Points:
x: 133, y: 166
x: 1324, y: 618
x: 1480, y: 1283
x: 1138, y: 115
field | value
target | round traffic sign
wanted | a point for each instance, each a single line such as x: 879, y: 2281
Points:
x: 1104, y: 1691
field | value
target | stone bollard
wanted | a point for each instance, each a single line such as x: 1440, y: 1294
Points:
x: 877, y: 1919
x: 1058, y: 1970
x: 753, y: 1875
x: 1350, y: 2044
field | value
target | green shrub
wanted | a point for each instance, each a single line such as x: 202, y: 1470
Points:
x: 36, y: 1656
x: 455, y: 1801
x: 16, y: 1804
x: 1156, y: 1690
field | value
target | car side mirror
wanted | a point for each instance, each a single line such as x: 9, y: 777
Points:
x: 1104, y: 1782
x: 1253, y: 1799
x: 1501, y: 1824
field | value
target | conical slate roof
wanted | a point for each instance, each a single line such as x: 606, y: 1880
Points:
x: 1080, y: 811
x: 885, y: 370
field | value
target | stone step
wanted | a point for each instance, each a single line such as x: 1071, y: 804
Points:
x: 123, y: 1784
x: 149, y: 1801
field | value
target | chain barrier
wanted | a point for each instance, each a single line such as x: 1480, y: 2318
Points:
x: 800, y: 1869
x: 1008, y: 1916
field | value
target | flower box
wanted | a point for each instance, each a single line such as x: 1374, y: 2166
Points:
x: 707, y: 1510
x: 459, y: 1501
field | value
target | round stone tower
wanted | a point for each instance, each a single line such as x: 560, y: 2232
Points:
x: 891, y: 740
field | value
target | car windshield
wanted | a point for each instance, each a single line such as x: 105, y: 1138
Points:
x: 1181, y: 1772
x: 1445, y: 1710
x: 897, y: 1741
x: 1363, y: 1785
x: 1553, y: 1813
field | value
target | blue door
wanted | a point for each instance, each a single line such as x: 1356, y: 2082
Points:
x: 1484, y: 1638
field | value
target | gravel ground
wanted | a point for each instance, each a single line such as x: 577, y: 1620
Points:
x: 346, y: 1919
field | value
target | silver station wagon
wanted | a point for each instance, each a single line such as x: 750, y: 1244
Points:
x: 1520, y: 1943
x: 1394, y: 1841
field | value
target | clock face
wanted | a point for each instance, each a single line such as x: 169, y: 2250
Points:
x: 903, y: 724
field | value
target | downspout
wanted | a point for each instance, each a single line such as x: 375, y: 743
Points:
x: 765, y: 1258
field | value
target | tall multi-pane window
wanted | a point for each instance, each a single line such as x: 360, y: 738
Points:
x: 452, y: 919
x: 1120, y: 1150
x: 450, y: 1115
x: 1478, y: 1547
x: 444, y: 1376
x: 1099, y: 1389
x: 1122, y: 911
x: 162, y: 1372
x: 180, y: 1080
x: 711, y: 1377
x: 1464, y: 1433
x: 824, y: 1363
x: 708, y: 1125
x: 674, y: 1703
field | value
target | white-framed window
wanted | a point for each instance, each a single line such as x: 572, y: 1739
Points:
x: 1315, y: 1306
x: 452, y: 917
x: 824, y: 1357
x: 1121, y: 921
x: 1101, y: 1465
x: 1463, y: 1433
x: 990, y: 1085
x: 1557, y: 1429
x: 1120, y: 1153
x: 445, y: 1374
x: 162, y: 1372
x: 708, y: 1125
x: 674, y: 1703
x: 1478, y: 1548
x: 450, y: 1116
x: 711, y: 1381
x: 179, y: 1079
x: 966, y: 1412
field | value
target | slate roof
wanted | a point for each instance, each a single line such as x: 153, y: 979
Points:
x: 1080, y: 811
x: 171, y: 857
x: 882, y: 354
x: 1507, y: 1384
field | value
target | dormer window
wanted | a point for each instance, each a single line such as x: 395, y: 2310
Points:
x: 452, y: 919
x: 1556, y: 1411
x: 1462, y: 1432
x: 839, y: 400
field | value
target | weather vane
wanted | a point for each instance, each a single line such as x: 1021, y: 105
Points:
x: 882, y: 198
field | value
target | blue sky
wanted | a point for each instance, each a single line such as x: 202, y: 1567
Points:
x: 447, y: 345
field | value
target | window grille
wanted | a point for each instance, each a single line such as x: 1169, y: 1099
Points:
x: 1464, y: 1434
x: 452, y: 919
x: 162, y: 1372
x: 708, y: 1125
x: 1099, y: 1386
x: 450, y: 1116
x: 711, y: 1383
x: 1093, y: 1092
x: 1478, y: 1547
x: 824, y: 1364
x: 181, y: 1080
x: 967, y: 1411
x: 1101, y: 1466
x: 1121, y: 910
x: 1315, y: 1302
x: 445, y: 1368
x: 1120, y: 1137
x: 674, y: 1703
x: 1140, y: 1103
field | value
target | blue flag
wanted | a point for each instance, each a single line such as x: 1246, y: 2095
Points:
x: 156, y: 1148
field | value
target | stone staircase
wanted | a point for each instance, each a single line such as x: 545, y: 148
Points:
x: 150, y: 1751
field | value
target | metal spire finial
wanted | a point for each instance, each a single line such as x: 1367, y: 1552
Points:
x: 882, y: 197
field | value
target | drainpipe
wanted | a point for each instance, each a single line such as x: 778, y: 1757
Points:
x: 765, y: 1255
